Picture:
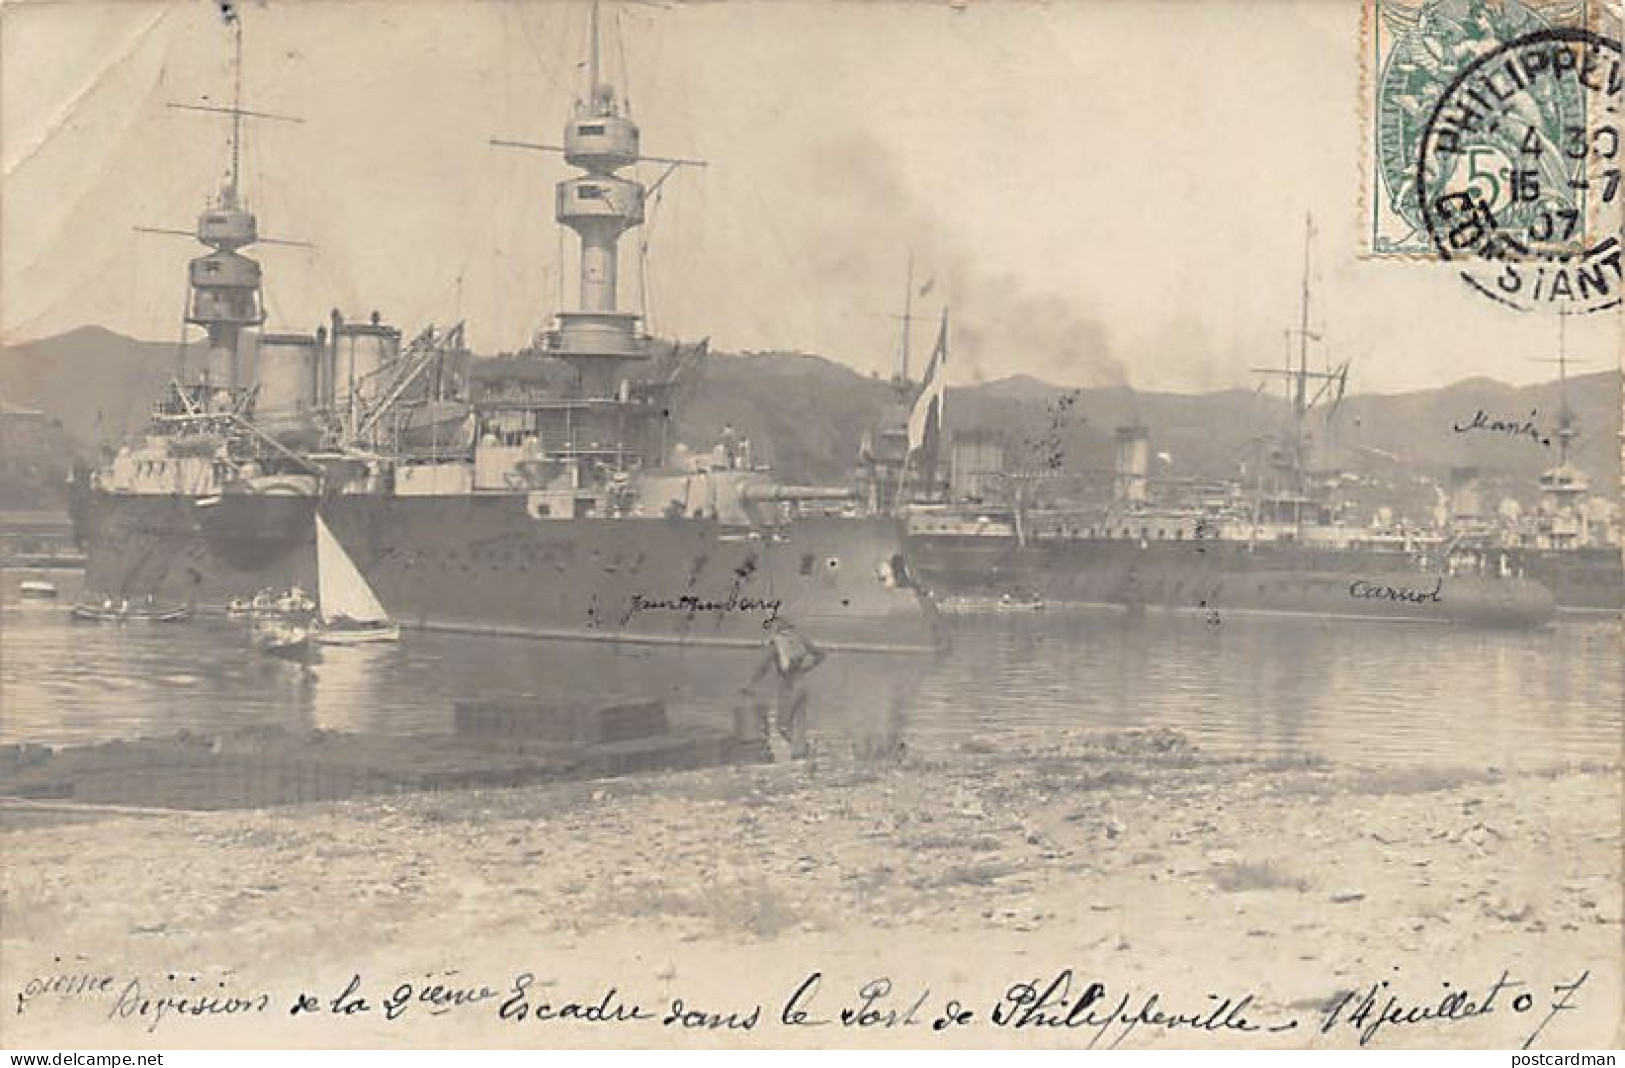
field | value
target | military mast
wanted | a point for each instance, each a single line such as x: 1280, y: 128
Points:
x: 1567, y: 427
x: 226, y: 293
x: 1563, y: 522
x: 600, y: 205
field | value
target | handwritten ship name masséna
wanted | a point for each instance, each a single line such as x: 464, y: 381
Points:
x: 1511, y: 427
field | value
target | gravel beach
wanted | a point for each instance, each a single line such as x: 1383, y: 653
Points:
x: 972, y: 898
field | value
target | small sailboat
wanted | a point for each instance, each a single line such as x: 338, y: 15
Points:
x: 348, y: 612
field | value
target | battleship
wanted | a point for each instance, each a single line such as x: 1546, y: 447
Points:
x: 1561, y: 544
x: 537, y: 494
x: 1274, y: 543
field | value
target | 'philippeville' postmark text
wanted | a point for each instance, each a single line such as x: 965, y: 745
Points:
x: 1518, y: 173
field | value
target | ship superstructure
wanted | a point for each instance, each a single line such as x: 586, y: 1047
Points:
x: 1561, y: 520
x: 537, y: 494
x: 1275, y: 540
x: 1569, y: 540
x: 899, y: 467
x: 205, y: 502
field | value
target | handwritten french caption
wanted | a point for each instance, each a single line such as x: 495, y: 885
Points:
x: 1098, y: 1013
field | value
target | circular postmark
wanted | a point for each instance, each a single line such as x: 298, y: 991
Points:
x: 1518, y: 172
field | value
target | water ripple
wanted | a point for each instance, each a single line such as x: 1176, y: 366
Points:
x: 1345, y: 690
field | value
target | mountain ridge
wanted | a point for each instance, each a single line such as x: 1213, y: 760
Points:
x: 807, y: 413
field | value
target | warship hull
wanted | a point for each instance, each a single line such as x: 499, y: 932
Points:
x: 1221, y: 576
x: 200, y: 551
x: 484, y: 564
x: 1590, y: 579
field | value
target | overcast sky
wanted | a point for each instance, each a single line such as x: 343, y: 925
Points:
x: 1103, y: 192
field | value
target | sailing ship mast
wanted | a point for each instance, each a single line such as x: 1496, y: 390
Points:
x: 899, y: 378
x: 1297, y: 389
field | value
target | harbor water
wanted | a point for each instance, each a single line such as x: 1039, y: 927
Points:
x: 1351, y: 691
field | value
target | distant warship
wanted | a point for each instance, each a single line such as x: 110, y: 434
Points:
x: 1561, y: 545
x: 532, y: 495
x: 1270, y: 544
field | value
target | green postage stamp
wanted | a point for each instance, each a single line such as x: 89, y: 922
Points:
x: 1415, y: 54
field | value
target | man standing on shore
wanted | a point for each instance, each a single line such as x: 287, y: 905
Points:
x: 794, y: 658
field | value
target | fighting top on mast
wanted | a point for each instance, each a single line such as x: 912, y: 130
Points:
x: 599, y: 205
x: 600, y: 139
x: 226, y: 295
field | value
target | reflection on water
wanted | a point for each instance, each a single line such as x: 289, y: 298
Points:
x: 1348, y: 690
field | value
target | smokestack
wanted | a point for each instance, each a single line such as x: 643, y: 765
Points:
x: 1133, y: 461
x: 1466, y: 501
x: 975, y: 459
x: 327, y: 362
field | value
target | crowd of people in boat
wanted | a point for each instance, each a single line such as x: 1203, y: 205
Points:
x: 294, y: 603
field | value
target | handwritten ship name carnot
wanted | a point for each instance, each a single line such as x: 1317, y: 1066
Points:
x: 1100, y: 1014
x: 1377, y: 591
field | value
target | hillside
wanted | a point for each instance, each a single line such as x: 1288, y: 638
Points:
x: 36, y: 455
x: 807, y: 414
x: 99, y: 384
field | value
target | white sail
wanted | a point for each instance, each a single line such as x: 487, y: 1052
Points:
x: 341, y: 591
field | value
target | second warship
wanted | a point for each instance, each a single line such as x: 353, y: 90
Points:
x: 1273, y: 543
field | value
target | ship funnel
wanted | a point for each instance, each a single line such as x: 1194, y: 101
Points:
x: 1133, y: 461
x: 357, y: 357
x: 975, y: 462
x: 1466, y: 498
x: 287, y: 368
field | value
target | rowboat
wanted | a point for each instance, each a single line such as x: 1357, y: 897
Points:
x: 278, y: 637
x: 125, y: 613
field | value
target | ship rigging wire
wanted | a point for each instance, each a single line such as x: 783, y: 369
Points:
x: 61, y: 121
x: 97, y: 193
x: 481, y: 233
x: 541, y: 65
x: 645, y: 301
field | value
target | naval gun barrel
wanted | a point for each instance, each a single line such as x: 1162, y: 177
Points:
x: 777, y: 493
